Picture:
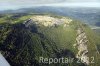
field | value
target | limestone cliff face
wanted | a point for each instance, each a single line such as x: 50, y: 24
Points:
x: 47, y: 21
x: 82, y: 46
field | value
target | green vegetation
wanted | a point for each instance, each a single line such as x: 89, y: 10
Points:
x: 23, y: 46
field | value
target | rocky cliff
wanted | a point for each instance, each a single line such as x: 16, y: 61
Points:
x: 81, y: 45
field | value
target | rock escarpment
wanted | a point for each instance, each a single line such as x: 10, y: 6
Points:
x: 47, y: 21
x: 81, y: 45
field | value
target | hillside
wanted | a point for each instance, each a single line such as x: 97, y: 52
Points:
x: 26, y: 38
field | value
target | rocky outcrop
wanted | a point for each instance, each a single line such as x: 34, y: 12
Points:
x: 50, y: 21
x: 82, y: 46
x: 47, y: 21
x: 28, y: 22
